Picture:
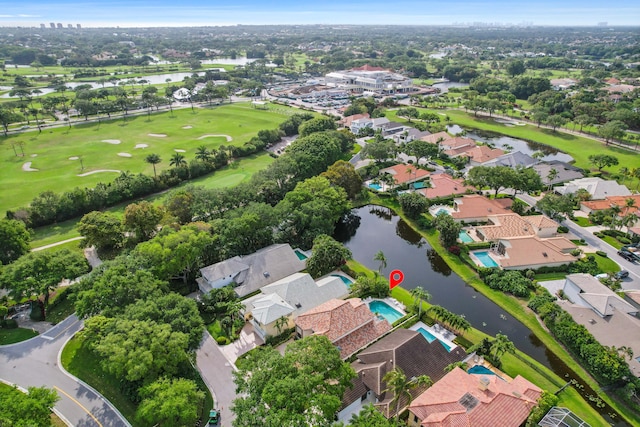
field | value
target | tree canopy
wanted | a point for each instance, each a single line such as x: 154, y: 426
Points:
x: 14, y: 240
x: 327, y: 254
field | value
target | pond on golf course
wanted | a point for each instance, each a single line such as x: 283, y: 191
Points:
x: 370, y: 229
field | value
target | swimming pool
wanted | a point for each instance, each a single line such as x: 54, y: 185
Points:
x: 385, y: 311
x: 418, y: 185
x: 442, y: 211
x: 375, y: 186
x: 464, y: 237
x: 431, y: 338
x: 485, y: 259
x: 344, y: 279
x: 301, y: 255
x: 479, y: 369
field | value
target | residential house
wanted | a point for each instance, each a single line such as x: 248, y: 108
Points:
x: 620, y: 201
x: 249, y: 273
x: 562, y: 84
x: 347, y: 121
x: 289, y: 297
x: 408, y: 134
x: 597, y: 187
x: 455, y: 146
x: 405, y: 174
x: 436, y: 138
x: 532, y: 252
x: 609, y: 318
x: 375, y: 124
x: 477, y: 208
x: 514, y: 225
x: 563, y: 172
x: 512, y: 160
x: 482, y: 154
x: 478, y: 400
x: 349, y: 324
x: 404, y: 349
x: 444, y: 185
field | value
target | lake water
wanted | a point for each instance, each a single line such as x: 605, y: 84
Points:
x: 372, y: 228
x: 512, y: 144
x: 445, y: 86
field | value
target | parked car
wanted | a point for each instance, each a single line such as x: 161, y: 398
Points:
x: 622, y: 274
x: 214, y: 417
x: 627, y: 255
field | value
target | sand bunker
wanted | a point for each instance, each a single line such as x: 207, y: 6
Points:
x: 34, y: 155
x: 27, y: 167
x: 74, y: 158
x: 158, y: 135
x: 99, y: 171
x: 124, y: 154
x: 141, y: 146
x: 187, y: 127
x: 229, y: 139
x: 112, y: 141
x: 178, y: 150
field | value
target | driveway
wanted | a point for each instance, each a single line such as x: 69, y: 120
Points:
x: 217, y: 372
x: 35, y: 362
x: 633, y: 281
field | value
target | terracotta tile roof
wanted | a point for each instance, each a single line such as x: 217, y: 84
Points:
x: 484, y: 153
x: 405, y: 173
x: 522, y: 252
x: 403, y: 348
x: 460, y: 399
x: 434, y: 138
x: 477, y: 206
x: 458, y: 142
x: 347, y: 323
x: 598, y: 205
x: 347, y: 120
x: 443, y: 185
x: 514, y: 225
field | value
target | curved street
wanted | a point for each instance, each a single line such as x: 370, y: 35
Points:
x: 35, y: 362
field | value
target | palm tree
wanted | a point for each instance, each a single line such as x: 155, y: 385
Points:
x: 177, y: 160
x: 203, y: 154
x: 451, y: 366
x: 553, y: 174
x: 153, y: 159
x: 398, y: 384
x: 281, y: 323
x: 383, y: 261
x: 420, y: 295
x: 501, y: 345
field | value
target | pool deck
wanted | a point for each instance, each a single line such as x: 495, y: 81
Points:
x: 438, y: 331
x: 391, y: 302
x: 479, y: 263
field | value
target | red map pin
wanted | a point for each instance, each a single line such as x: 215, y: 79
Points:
x: 395, y: 278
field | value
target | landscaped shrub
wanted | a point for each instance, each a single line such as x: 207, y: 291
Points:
x: 9, y: 324
x: 222, y: 340
x: 602, y: 254
x: 576, y: 252
x: 509, y: 281
x: 279, y: 339
x: 455, y: 249
x: 563, y: 229
x: 624, y: 240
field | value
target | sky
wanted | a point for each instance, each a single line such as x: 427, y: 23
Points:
x: 147, y: 13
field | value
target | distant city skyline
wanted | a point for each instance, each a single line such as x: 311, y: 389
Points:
x: 145, y: 13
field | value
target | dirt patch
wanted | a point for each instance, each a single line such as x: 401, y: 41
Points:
x: 124, y: 154
x: 34, y: 155
x: 27, y: 167
x: 229, y: 138
x: 179, y: 150
x: 99, y: 171
x: 74, y: 158
x: 112, y: 141
x: 187, y: 127
x: 158, y: 135
x: 141, y: 146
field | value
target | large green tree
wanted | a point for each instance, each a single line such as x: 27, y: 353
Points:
x: 556, y: 206
x: 413, y: 204
x: 33, y: 408
x: 143, y: 219
x: 612, y: 130
x: 14, y: 240
x: 101, y: 229
x: 317, y: 124
x: 602, y: 161
x: 448, y: 228
x: 327, y: 255
x: 369, y: 416
x: 38, y: 273
x: 170, y: 402
x: 181, y: 313
x: 137, y: 350
x: 343, y: 174
x: 301, y: 388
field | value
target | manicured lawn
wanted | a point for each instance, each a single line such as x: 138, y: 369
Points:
x: 10, y: 336
x: 54, y: 233
x: 606, y: 264
x: 582, y: 221
x: 612, y: 241
x: 50, y: 151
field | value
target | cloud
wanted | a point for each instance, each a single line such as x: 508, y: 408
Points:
x: 21, y: 15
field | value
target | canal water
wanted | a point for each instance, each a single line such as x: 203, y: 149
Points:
x: 370, y: 229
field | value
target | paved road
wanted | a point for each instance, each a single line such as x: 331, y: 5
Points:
x: 633, y: 281
x: 217, y: 373
x: 35, y: 363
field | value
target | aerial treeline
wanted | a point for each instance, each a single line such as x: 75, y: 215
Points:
x: 49, y: 207
x: 607, y: 364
